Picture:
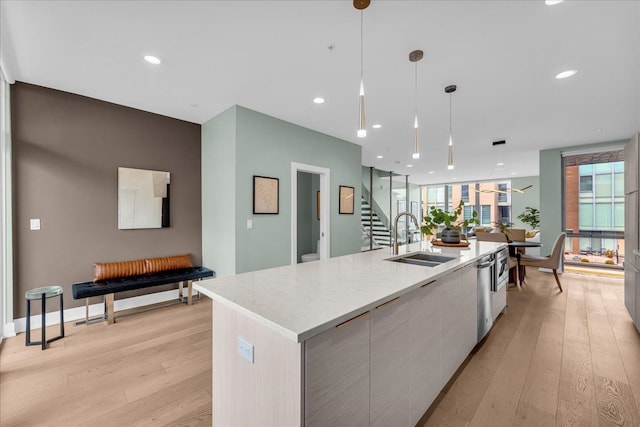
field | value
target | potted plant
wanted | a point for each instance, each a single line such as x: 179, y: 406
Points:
x: 503, y: 226
x: 530, y: 216
x: 452, y: 225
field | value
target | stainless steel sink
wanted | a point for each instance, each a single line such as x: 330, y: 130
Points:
x: 424, y: 259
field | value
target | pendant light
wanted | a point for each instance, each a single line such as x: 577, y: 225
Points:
x: 414, y: 57
x: 450, y: 89
x: 361, y: 5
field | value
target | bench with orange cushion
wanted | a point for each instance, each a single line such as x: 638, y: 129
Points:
x: 113, y: 277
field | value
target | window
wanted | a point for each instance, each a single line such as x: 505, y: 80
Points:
x: 477, y: 197
x: 465, y: 193
x: 503, y: 197
x: 586, y: 184
x: 505, y: 213
x: 485, y: 215
x: 467, y: 212
x: 593, y: 211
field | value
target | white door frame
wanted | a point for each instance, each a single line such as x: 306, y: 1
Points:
x: 325, y: 200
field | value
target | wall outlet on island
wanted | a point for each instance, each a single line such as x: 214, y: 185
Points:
x: 245, y: 349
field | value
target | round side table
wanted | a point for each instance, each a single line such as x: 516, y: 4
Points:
x: 43, y: 294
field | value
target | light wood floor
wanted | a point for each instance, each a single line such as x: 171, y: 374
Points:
x: 151, y: 368
x: 564, y: 359
x: 570, y: 358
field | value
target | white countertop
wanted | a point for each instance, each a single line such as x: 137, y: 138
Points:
x: 303, y: 300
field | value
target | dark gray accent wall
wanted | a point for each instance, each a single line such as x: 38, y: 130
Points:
x: 66, y: 153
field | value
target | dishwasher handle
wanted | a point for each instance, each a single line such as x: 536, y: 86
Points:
x: 486, y: 264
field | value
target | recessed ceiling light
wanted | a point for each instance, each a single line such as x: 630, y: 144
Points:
x: 499, y: 164
x: 454, y: 178
x: 514, y: 173
x: 565, y: 74
x: 377, y: 126
x: 318, y: 100
x: 552, y: 2
x: 432, y: 172
x: 152, y: 59
x: 379, y: 157
x: 409, y: 166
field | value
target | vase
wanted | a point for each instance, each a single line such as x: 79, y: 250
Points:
x: 450, y: 235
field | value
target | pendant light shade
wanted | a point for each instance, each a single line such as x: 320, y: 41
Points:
x: 414, y: 57
x: 361, y: 5
x: 450, y: 89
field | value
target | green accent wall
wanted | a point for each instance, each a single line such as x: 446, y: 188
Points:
x: 551, y: 201
x: 266, y: 146
x: 219, y: 193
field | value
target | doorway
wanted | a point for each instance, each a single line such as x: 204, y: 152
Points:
x: 322, y: 211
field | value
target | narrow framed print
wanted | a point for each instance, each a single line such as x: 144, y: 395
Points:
x: 265, y: 195
x: 346, y: 200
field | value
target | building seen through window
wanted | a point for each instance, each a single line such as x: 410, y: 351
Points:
x: 594, y: 207
x: 491, y: 200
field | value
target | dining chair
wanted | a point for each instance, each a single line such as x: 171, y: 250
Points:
x: 551, y: 261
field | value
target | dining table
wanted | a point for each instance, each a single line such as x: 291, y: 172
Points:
x: 513, y: 246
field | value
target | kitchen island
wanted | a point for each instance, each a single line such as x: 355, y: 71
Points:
x: 353, y: 340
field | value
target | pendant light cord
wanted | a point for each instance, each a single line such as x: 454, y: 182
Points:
x: 450, y: 115
x: 361, y: 43
x: 416, y: 88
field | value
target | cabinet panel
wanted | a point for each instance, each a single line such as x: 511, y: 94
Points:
x: 425, y: 327
x: 337, y: 376
x: 630, y: 291
x: 637, y: 302
x: 451, y: 351
x: 631, y: 160
x: 631, y: 223
x: 390, y: 398
x: 469, y: 309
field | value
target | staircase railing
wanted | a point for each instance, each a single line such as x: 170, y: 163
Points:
x: 366, y: 194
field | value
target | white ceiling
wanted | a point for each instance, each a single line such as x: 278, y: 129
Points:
x: 274, y: 57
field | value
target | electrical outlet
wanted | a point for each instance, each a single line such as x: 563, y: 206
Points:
x: 34, y: 224
x: 249, y: 224
x: 245, y: 349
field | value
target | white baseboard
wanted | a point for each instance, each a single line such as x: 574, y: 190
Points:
x: 9, y: 330
x: 78, y: 313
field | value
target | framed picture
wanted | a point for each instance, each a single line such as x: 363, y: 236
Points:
x: 265, y: 195
x: 318, y: 205
x: 346, y: 200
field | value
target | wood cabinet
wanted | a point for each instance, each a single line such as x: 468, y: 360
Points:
x: 451, y: 352
x: 385, y: 368
x: 336, y: 386
x: 390, y: 355
x: 631, y: 242
x: 425, y: 329
x: 469, y: 307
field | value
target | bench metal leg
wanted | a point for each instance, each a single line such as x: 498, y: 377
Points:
x: 43, y: 315
x: 87, y: 320
x: 108, y: 301
x: 189, y: 292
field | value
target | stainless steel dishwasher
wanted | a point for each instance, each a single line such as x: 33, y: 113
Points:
x: 486, y: 275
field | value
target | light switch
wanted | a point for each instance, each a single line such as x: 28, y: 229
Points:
x: 34, y: 224
x: 245, y: 349
x: 249, y: 224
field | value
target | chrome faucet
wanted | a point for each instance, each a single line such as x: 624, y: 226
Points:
x: 395, y: 224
